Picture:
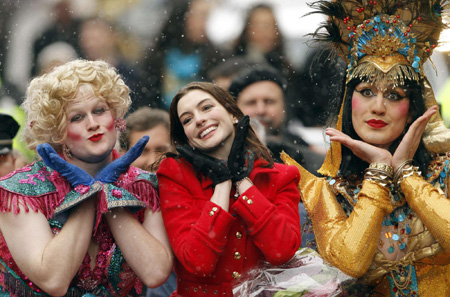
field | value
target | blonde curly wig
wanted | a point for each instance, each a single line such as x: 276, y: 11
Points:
x: 48, y: 95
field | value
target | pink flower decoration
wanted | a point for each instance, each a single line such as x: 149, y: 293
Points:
x: 82, y: 189
x: 116, y: 193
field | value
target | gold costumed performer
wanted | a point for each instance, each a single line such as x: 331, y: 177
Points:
x: 382, y: 214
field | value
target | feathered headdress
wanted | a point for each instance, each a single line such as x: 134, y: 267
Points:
x: 384, y: 42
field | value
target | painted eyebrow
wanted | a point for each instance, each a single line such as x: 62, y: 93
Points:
x: 200, y: 103
x: 81, y: 106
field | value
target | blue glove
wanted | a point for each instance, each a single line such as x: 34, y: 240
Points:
x: 74, y: 175
x: 111, y: 172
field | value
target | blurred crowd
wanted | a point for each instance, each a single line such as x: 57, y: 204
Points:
x: 169, y: 47
x: 159, y: 46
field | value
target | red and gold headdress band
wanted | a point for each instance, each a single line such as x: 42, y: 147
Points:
x: 384, y: 42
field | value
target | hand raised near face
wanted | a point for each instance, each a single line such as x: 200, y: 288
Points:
x: 214, y: 168
x: 111, y: 172
x: 361, y: 149
x: 74, y: 175
x: 410, y: 142
x: 236, y: 159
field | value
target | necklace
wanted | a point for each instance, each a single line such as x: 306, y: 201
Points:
x: 400, y: 219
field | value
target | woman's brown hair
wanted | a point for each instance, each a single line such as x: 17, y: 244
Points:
x: 177, y: 135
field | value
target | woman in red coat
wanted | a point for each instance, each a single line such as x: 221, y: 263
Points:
x: 225, y: 203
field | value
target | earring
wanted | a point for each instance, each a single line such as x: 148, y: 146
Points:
x: 67, y: 151
x: 121, y: 125
x: 236, y: 121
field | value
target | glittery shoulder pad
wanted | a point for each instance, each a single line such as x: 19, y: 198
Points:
x: 143, y: 185
x: 34, y: 187
x: 31, y: 180
x: 149, y: 176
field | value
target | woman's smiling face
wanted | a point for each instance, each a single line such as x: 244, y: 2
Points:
x: 207, y: 124
x: 380, y: 117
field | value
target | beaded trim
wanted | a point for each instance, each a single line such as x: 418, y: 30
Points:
x: 95, y: 187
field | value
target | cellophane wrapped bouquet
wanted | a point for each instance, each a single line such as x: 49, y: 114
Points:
x: 305, y: 275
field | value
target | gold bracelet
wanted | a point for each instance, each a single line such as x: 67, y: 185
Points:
x: 405, y: 170
x: 238, y: 183
x: 384, y: 167
x: 379, y: 176
x: 403, y: 164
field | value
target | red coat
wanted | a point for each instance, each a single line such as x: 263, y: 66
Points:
x: 214, y: 247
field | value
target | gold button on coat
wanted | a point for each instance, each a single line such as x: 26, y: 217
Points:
x: 236, y: 275
x: 238, y: 235
x: 237, y: 255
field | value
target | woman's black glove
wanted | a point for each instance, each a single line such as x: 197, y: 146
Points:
x: 236, y: 159
x: 215, y: 169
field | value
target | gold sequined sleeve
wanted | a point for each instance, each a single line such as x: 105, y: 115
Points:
x: 432, y: 207
x: 349, y: 243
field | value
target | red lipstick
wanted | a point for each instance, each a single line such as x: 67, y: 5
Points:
x: 377, y: 124
x: 96, y: 137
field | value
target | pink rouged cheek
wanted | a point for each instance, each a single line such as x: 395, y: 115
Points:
x: 72, y: 135
x: 356, y: 103
x: 403, y: 108
x: 111, y: 126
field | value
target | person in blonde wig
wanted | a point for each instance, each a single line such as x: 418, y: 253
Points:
x: 89, y: 223
x: 382, y: 213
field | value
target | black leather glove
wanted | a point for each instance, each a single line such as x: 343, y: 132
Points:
x: 236, y: 159
x: 215, y: 169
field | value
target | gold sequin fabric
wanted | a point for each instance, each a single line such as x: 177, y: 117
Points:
x: 350, y: 241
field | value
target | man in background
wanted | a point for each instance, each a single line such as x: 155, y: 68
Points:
x: 154, y: 123
x: 260, y: 93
